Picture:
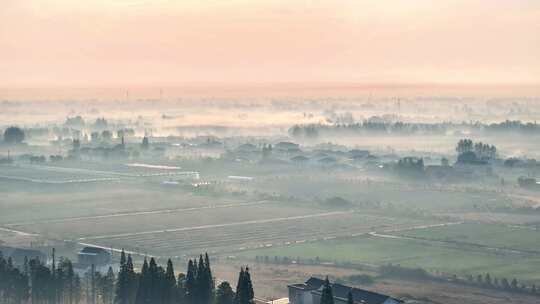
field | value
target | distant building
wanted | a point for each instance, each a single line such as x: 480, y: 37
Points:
x: 528, y: 183
x: 93, y: 255
x: 287, y: 147
x: 310, y: 293
x: 299, y: 159
x: 358, y: 154
x: 17, y: 255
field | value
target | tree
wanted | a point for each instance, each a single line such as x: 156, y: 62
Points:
x: 205, y: 283
x: 464, y: 145
x: 14, y: 135
x: 514, y: 284
x: 224, y: 293
x: 505, y: 284
x: 191, y: 283
x: 244, y: 288
x: 145, y: 143
x: 106, y: 135
x: 126, y: 284
x: 143, y: 292
x: 327, y: 297
x: 479, y: 279
x: 169, y: 290
x: 106, y: 286
x: 350, y: 299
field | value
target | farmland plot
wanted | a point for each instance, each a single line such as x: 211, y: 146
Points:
x: 241, y: 235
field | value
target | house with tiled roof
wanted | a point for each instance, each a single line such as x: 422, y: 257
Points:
x: 310, y: 293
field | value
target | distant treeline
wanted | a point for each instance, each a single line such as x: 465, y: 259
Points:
x: 39, y: 283
x: 379, y: 126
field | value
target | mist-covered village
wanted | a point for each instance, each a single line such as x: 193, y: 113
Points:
x: 365, y: 199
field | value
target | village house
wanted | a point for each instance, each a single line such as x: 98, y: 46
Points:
x: 93, y: 256
x: 310, y: 293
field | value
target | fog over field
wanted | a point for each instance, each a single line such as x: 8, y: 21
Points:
x: 397, y: 185
x: 269, y: 152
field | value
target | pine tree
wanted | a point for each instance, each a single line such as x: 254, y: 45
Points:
x: 126, y: 284
x: 327, y: 297
x: 107, y: 287
x: 169, y: 288
x: 143, y: 292
x: 244, y: 288
x: 204, y: 281
x: 224, y: 294
x: 191, y: 283
x: 157, y: 278
x: 238, y: 299
x: 249, y: 286
x: 350, y: 299
x: 209, y: 277
x: 201, y: 287
x: 514, y: 284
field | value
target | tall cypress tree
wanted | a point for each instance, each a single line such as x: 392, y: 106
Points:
x: 143, y: 292
x: 127, y: 282
x: 133, y: 280
x: 327, y: 297
x: 191, y: 282
x: 169, y: 288
x: 156, y: 275
x: 210, y: 278
x: 239, y: 287
x: 201, y: 290
x: 244, y: 288
x: 123, y: 281
x: 249, y: 286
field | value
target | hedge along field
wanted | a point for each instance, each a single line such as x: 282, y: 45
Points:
x: 492, y: 235
x: 412, y: 253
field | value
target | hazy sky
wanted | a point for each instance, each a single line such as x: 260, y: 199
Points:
x: 111, y: 42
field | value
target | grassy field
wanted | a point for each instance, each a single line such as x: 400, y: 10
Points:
x: 267, y: 232
x: 492, y: 235
x: 412, y: 253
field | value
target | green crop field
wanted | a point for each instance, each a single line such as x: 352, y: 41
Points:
x: 411, y: 253
x: 491, y: 235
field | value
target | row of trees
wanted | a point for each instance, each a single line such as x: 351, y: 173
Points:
x: 504, y: 284
x: 481, y: 150
x: 38, y: 283
x: 158, y: 285
x: 380, y: 125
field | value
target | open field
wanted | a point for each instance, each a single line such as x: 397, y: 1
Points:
x: 266, y: 232
x: 519, y: 238
x: 446, y: 258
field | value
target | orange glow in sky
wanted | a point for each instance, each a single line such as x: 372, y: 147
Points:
x: 109, y: 42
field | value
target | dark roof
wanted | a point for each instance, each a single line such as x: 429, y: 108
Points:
x: 315, y: 283
x: 93, y: 250
x: 342, y: 291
